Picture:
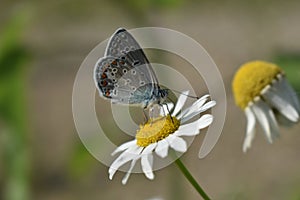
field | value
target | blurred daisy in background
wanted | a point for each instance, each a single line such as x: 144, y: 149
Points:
x: 262, y: 91
x: 158, y: 135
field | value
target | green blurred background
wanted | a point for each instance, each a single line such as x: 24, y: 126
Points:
x: 42, y: 45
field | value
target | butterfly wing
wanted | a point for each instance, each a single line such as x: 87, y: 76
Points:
x: 125, y: 75
x: 123, y: 43
x: 120, y: 81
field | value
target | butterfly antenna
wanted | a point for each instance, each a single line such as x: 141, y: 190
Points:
x: 170, y: 100
x: 178, y: 92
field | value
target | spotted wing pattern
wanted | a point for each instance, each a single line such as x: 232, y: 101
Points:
x: 124, y: 74
x: 123, y: 42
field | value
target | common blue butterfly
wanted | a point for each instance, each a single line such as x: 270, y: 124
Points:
x: 125, y: 76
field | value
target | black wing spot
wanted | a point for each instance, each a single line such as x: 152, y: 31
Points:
x: 136, y: 62
x: 133, y: 72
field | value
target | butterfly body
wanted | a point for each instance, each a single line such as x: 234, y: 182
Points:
x: 125, y: 76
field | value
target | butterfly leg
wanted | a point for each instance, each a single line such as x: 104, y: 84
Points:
x: 145, y: 115
x: 167, y: 110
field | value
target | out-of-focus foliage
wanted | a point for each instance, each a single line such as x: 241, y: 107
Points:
x: 139, y: 10
x: 290, y: 63
x: 80, y: 162
x: 13, y: 115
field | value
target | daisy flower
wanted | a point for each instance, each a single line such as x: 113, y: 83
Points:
x: 261, y: 90
x: 162, y: 133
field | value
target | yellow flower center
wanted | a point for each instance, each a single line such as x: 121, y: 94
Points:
x: 156, y: 129
x: 251, y: 79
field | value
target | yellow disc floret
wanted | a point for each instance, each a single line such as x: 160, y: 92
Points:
x: 251, y: 79
x: 156, y: 130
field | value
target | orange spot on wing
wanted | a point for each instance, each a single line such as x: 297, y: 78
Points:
x: 103, y: 76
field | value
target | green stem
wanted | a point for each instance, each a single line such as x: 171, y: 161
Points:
x: 191, y: 179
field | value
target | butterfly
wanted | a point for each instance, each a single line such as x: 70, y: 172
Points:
x: 125, y: 76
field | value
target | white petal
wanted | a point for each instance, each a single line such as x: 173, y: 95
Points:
x: 190, y: 129
x: 282, y: 120
x: 205, y: 121
x: 149, y: 148
x: 281, y: 102
x: 177, y: 143
x: 250, y: 132
x: 289, y: 91
x: 205, y: 107
x: 195, y: 106
x: 266, y: 118
x: 126, y: 177
x: 208, y: 105
x: 124, y: 146
x: 147, y: 163
x: 162, y: 148
x: 125, y: 157
x: 180, y: 102
x: 164, y: 109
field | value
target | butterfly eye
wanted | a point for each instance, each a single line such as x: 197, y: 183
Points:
x: 124, y: 71
x: 142, y: 83
x: 114, y: 70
